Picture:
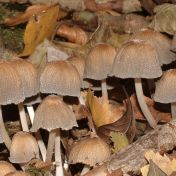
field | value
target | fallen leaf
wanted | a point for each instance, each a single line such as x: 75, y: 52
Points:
x: 37, y: 31
x: 102, y: 111
x: 24, y: 17
x: 154, y: 170
x: 119, y: 140
x: 159, y: 116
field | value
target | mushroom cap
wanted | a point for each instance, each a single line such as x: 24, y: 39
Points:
x: 89, y: 151
x: 6, y: 167
x: 10, y: 84
x: 165, y: 87
x: 60, y: 77
x: 137, y: 59
x: 28, y: 75
x: 53, y: 113
x: 18, y: 173
x: 79, y: 63
x: 99, y: 61
x: 33, y: 100
x: 24, y: 147
x: 159, y: 41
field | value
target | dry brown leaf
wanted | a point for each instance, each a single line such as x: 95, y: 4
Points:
x: 102, y: 111
x: 37, y: 31
x: 159, y: 116
x: 73, y: 34
x: 24, y: 17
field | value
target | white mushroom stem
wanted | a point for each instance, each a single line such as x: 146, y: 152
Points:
x: 5, y: 137
x: 86, y: 169
x: 23, y: 117
x: 81, y: 100
x: 104, y: 88
x: 173, y: 110
x: 51, y: 143
x: 142, y: 103
x: 58, y: 159
x: 38, y: 136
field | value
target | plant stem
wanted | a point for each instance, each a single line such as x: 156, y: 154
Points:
x: 104, y: 88
x: 5, y: 137
x: 38, y: 136
x: 142, y: 103
x: 58, y: 159
x: 86, y: 168
x: 23, y: 118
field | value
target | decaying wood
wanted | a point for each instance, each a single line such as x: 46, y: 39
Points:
x: 131, y: 159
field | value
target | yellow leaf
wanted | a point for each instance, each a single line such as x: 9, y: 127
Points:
x: 163, y: 162
x: 102, y: 111
x: 120, y: 140
x: 144, y: 170
x: 39, y: 29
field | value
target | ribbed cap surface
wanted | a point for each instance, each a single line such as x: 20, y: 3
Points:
x: 53, y: 113
x: 60, y: 77
x: 89, y: 151
x: 28, y: 75
x: 24, y: 147
x: 165, y: 87
x: 137, y: 59
x: 99, y: 61
x: 160, y: 42
x: 6, y: 167
x: 10, y: 85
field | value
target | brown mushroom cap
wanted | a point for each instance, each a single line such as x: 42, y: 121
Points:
x: 165, y: 87
x: 60, y: 77
x: 159, y: 41
x: 89, y: 151
x: 10, y: 85
x: 99, y: 61
x: 6, y: 167
x: 137, y: 59
x: 24, y: 147
x: 53, y: 113
x: 29, y: 76
x: 18, y: 173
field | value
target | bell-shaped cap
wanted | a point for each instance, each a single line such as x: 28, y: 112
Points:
x: 90, y: 151
x: 137, y: 59
x: 159, y: 41
x: 28, y: 75
x: 24, y: 147
x: 165, y: 87
x: 6, y: 167
x: 60, y: 77
x: 53, y: 113
x: 10, y: 84
x: 99, y: 61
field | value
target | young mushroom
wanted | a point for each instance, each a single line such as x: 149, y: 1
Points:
x: 6, y: 167
x: 24, y: 147
x: 138, y: 59
x: 53, y: 114
x: 165, y: 90
x: 90, y: 151
x: 99, y: 64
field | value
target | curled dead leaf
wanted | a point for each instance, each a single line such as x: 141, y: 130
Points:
x: 73, y: 34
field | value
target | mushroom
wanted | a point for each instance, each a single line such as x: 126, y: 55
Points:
x: 24, y: 147
x: 138, y: 59
x: 99, y: 64
x: 90, y: 151
x: 173, y: 45
x: 18, y: 173
x: 159, y: 41
x: 11, y: 88
x: 165, y: 90
x: 6, y: 167
x: 53, y: 114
